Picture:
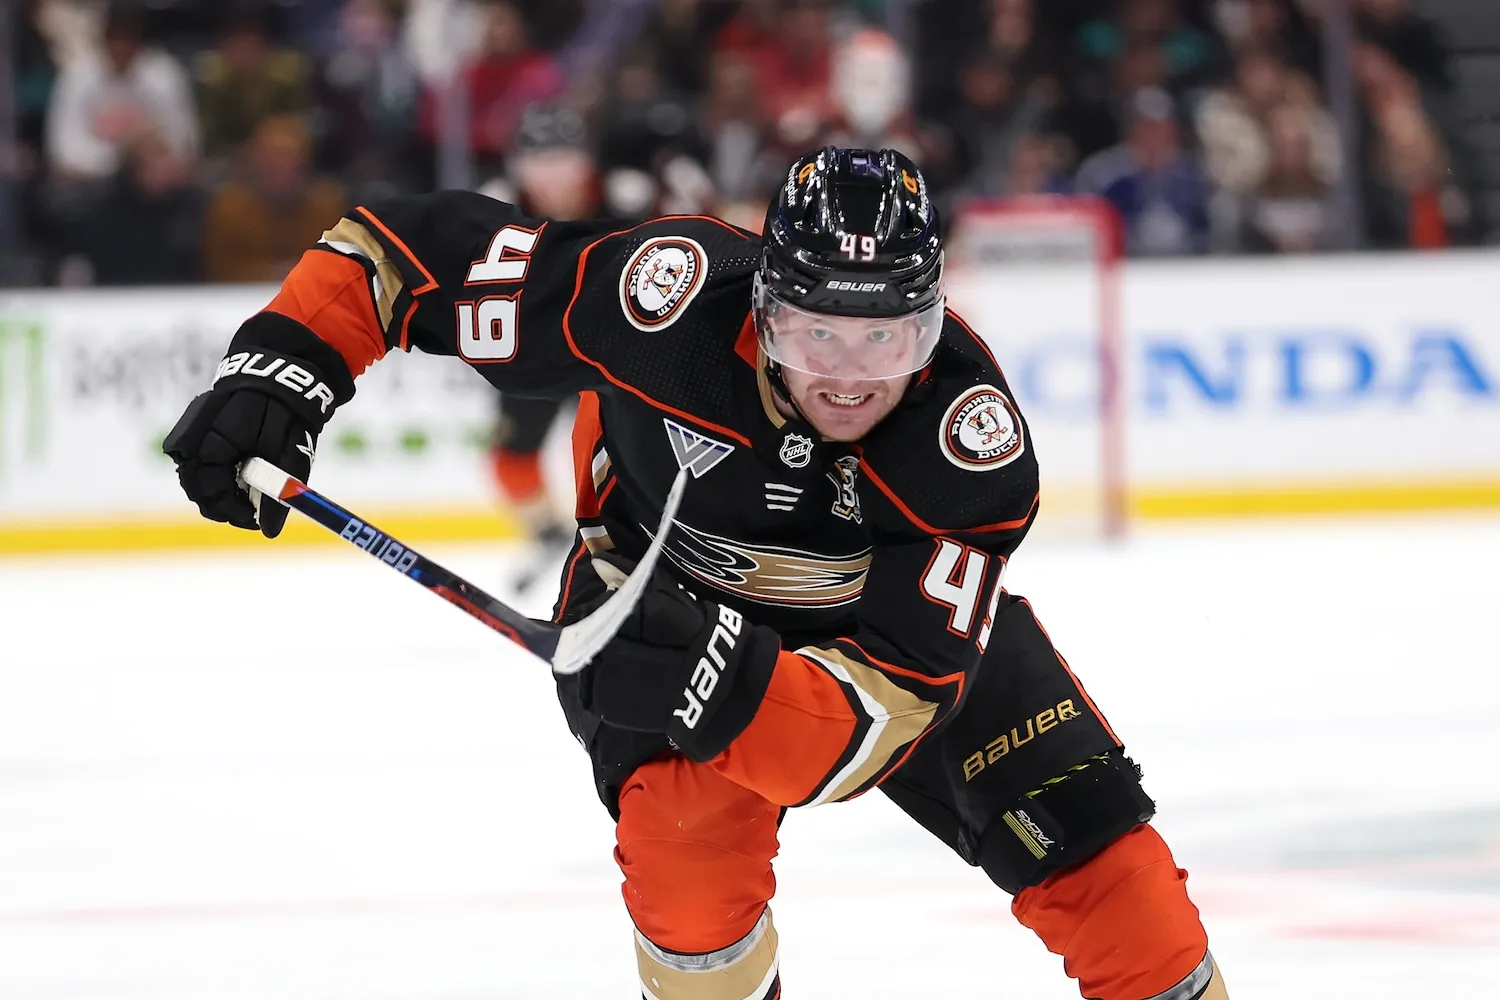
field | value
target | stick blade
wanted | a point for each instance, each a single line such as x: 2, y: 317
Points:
x: 581, y: 642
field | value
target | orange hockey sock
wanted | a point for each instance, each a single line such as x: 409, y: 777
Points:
x: 1122, y: 920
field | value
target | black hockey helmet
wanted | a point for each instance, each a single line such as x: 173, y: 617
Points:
x: 549, y: 126
x: 851, y: 235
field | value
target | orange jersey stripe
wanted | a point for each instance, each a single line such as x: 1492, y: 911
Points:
x: 747, y: 344
x: 330, y: 295
x: 587, y: 430
x: 567, y: 591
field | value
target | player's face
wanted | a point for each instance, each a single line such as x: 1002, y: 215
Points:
x: 843, y: 409
x: 845, y: 373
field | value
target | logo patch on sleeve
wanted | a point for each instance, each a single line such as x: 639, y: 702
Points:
x: 663, y: 275
x: 981, y: 430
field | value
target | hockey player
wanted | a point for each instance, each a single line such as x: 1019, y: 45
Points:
x: 831, y: 617
x: 551, y: 174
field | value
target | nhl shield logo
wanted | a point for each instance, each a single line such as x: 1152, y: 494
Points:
x: 660, y: 279
x: 796, y: 451
x: 981, y: 430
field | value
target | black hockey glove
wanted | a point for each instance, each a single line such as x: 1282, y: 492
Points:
x: 271, y: 396
x: 680, y: 665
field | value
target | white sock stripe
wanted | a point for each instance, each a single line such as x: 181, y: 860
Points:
x: 715, y: 961
x: 1195, y: 982
x: 343, y: 247
x: 709, y: 961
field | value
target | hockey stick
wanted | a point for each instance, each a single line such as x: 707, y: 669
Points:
x: 568, y: 648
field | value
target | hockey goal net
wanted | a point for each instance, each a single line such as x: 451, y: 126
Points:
x: 1039, y: 280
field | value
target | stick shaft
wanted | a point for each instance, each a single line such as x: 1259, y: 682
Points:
x: 539, y: 637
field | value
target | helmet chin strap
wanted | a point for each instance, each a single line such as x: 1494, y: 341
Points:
x: 778, y: 386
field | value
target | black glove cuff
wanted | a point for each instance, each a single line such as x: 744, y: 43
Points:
x: 726, y: 716
x: 285, y: 335
x: 277, y: 356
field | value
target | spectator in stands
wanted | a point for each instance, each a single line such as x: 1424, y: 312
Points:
x: 1190, y: 54
x: 993, y: 113
x: 741, y: 168
x: 1412, y: 199
x: 870, y: 97
x: 1290, y: 211
x: 1157, y: 187
x: 645, y: 119
x: 1027, y: 44
x: 258, y: 226
x: 1412, y: 40
x: 1234, y: 128
x: 653, y: 152
x: 551, y: 171
x: 246, y: 79
x: 1037, y: 167
x: 789, y: 45
x: 34, y: 71
x: 146, y: 228
x: 1395, y: 33
x: 22, y: 177
x: 508, y: 75
x: 114, y: 93
x: 681, y: 34
x: 315, y: 26
x: 1272, y: 25
x: 367, y: 89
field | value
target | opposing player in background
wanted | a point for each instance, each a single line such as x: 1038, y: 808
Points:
x: 833, y: 617
x: 550, y: 175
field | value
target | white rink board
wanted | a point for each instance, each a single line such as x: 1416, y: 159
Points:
x: 86, y: 399
x: 1268, y: 370
x: 1265, y: 372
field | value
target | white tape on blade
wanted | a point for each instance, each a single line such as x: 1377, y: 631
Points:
x: 581, y: 642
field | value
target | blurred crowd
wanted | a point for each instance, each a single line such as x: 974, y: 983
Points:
x: 185, y: 140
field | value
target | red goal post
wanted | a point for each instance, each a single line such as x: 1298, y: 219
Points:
x: 1039, y: 279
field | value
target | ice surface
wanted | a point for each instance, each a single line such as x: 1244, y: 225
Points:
x: 287, y: 775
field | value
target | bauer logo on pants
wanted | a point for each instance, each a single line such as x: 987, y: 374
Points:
x: 981, y: 430
x: 660, y: 279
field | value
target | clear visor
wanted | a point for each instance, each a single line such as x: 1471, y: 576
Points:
x: 846, y: 347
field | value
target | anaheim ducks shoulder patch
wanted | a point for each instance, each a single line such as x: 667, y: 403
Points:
x: 981, y: 430
x: 659, y: 280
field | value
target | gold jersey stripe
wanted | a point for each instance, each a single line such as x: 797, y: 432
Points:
x: 349, y: 235
x: 897, y: 717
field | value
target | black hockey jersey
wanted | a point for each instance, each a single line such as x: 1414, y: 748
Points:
x: 879, y: 562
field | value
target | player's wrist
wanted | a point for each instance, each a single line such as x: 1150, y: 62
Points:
x: 280, y: 357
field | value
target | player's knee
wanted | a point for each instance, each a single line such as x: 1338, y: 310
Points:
x: 1065, y: 822
x: 695, y: 850
x: 1123, y: 923
x: 746, y: 969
